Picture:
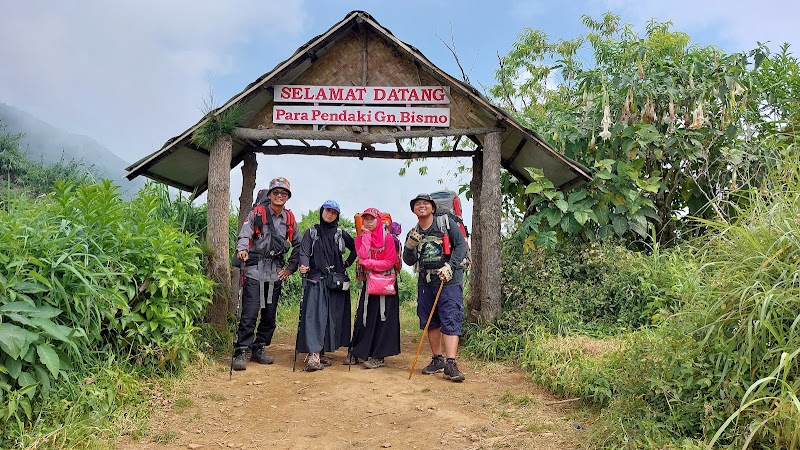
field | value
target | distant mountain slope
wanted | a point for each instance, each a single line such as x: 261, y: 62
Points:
x: 42, y: 141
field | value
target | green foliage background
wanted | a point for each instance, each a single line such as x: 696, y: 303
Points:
x: 665, y: 126
x: 686, y: 331
x: 91, y: 287
x: 32, y: 178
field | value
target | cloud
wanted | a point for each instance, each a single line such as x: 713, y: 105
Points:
x: 132, y: 75
x: 129, y: 74
x: 733, y: 25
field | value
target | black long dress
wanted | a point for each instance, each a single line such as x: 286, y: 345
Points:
x: 324, y: 313
x: 378, y: 338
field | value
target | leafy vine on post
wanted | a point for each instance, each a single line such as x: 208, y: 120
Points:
x: 215, y: 134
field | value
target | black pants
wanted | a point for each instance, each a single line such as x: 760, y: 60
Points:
x: 251, y: 306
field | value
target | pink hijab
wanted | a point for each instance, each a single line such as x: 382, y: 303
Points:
x: 370, y: 259
x: 377, y: 233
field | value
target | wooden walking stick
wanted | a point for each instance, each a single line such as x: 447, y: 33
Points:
x: 425, y: 330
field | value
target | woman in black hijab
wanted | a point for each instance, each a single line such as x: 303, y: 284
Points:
x: 325, y: 308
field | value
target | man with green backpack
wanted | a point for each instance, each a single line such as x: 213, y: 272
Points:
x: 437, y: 252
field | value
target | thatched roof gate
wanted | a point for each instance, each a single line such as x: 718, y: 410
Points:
x: 358, y: 52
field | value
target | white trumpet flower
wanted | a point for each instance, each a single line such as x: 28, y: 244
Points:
x: 698, y: 117
x: 606, y: 123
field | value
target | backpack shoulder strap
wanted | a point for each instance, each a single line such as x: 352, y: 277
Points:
x: 291, y: 224
x: 382, y: 247
x: 312, y: 232
x: 339, y: 238
x: 260, y: 220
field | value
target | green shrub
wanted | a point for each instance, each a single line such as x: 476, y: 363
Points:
x: 86, y: 277
x: 598, y: 288
x: 721, y: 361
x: 34, y: 178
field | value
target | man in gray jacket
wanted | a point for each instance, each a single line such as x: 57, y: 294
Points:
x: 264, y: 241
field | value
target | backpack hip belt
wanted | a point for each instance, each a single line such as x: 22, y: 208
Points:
x: 382, y: 307
x: 261, y: 281
x: 429, y: 273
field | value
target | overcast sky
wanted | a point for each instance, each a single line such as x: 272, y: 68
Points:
x: 133, y: 74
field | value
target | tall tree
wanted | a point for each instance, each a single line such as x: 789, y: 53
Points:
x: 655, y: 117
x: 215, y: 134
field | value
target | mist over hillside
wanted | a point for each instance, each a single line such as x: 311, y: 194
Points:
x: 44, y: 142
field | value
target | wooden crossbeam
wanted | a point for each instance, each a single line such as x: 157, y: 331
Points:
x: 357, y: 153
x: 169, y: 182
x: 265, y: 134
x: 516, y: 151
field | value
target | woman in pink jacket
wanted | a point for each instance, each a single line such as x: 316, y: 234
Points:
x: 376, y: 332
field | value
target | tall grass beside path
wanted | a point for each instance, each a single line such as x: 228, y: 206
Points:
x: 87, y: 278
x: 751, y: 316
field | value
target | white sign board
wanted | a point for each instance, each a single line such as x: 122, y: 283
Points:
x: 363, y: 95
x: 361, y: 115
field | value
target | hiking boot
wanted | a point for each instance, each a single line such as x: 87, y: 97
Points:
x: 436, y: 365
x: 351, y: 360
x: 451, y: 371
x: 240, y: 360
x: 374, y: 363
x: 261, y: 357
x: 314, y: 363
x: 313, y: 366
x: 325, y: 361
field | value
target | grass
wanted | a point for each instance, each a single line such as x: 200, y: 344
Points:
x: 522, y: 400
x: 183, y: 403
x: 217, y: 397
x: 166, y: 437
x: 409, y: 322
x: 539, y: 428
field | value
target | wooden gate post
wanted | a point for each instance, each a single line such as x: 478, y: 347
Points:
x: 249, y: 169
x: 217, y: 238
x: 489, y: 222
x: 475, y: 271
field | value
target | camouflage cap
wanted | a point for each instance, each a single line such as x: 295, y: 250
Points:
x: 280, y: 182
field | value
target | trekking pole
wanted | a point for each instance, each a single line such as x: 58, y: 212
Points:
x: 353, y: 337
x: 238, y: 318
x: 425, y: 330
x: 299, y: 318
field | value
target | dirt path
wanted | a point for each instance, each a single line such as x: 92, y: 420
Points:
x: 270, y: 407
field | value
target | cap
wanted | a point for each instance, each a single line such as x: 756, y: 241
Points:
x: 425, y: 197
x: 280, y: 182
x: 371, y: 212
x: 332, y: 204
